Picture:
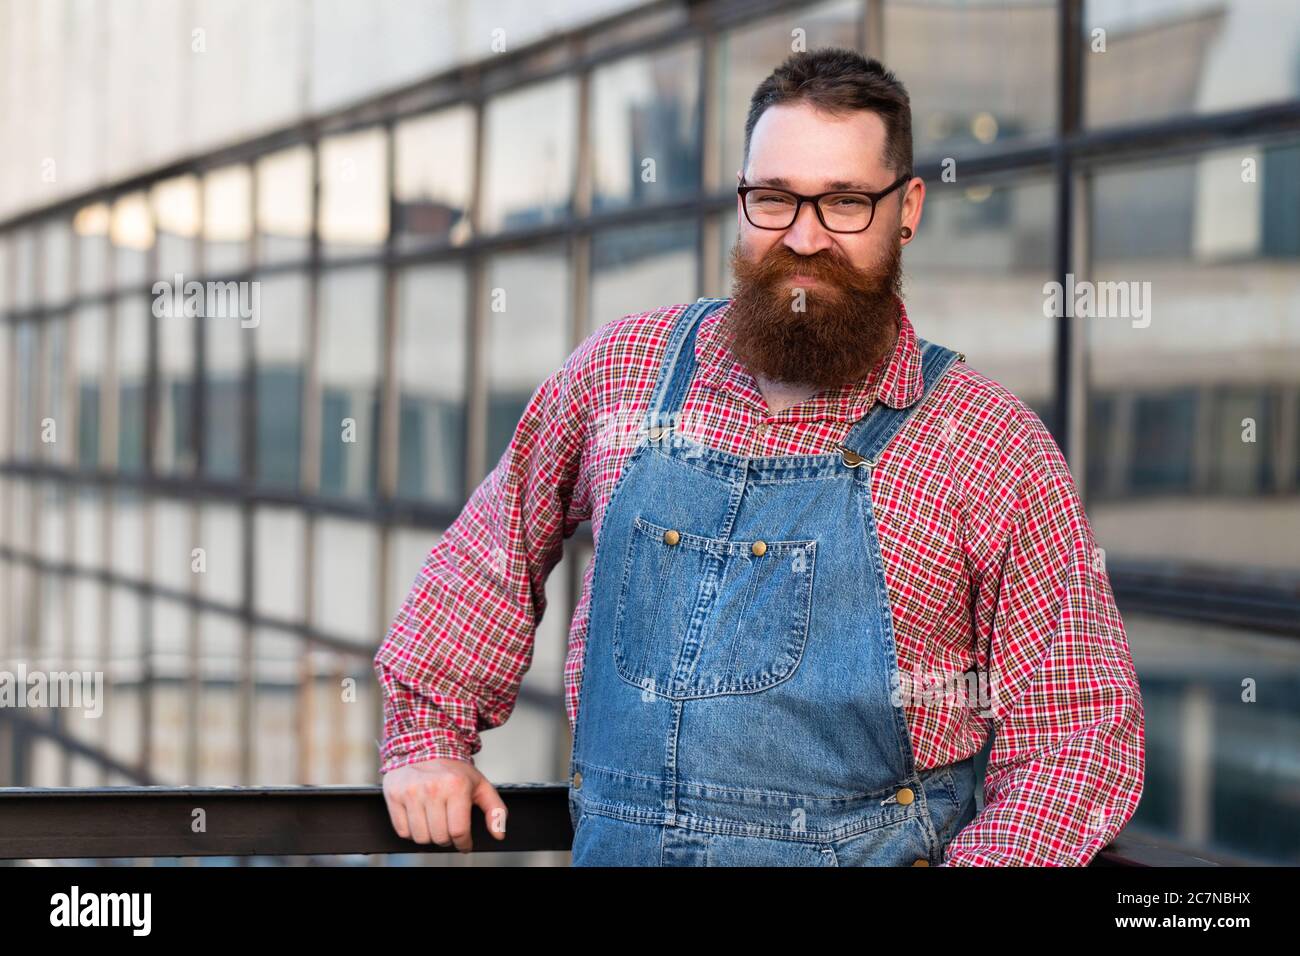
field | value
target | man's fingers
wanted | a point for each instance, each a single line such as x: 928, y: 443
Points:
x: 493, y: 807
x: 435, y: 813
x: 397, y: 816
x: 458, y: 820
x: 433, y: 802
x: 416, y: 819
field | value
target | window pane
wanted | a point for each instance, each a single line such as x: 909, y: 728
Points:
x: 91, y: 326
x: 1245, y: 439
x: 280, y: 345
x: 975, y: 275
x: 24, y: 269
x: 747, y: 55
x: 122, y: 678
x: 224, y: 343
x: 171, y: 696
x: 20, y: 529
x: 54, y: 401
x: 6, y: 285
x: 89, y: 517
x: 132, y: 359
x: 54, y: 591
x: 644, y: 114
x: 221, y: 536
x: 527, y: 335
x: 132, y: 233
x: 431, y: 359
x: 56, y: 275
x: 278, y: 552
x: 284, y: 189
x: 173, y: 544
x: 1164, y: 437
x: 220, y: 650
x: 91, y: 227
x: 175, y: 447
x: 1193, y: 328
x: 354, y: 193
x: 531, y: 139
x: 278, y: 668
x: 435, y: 173
x: 1207, y: 754
x: 980, y: 75
x: 127, y: 557
x: 55, y: 511
x: 641, y: 268
x: 347, y: 556
x: 227, y: 220
x: 1187, y: 56
x: 26, y: 422
x: 6, y: 399
x: 351, y: 302
x: 176, y: 211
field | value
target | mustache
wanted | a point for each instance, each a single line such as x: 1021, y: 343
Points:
x: 830, y: 268
x: 781, y: 262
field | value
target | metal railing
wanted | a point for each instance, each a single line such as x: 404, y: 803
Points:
x: 40, y: 823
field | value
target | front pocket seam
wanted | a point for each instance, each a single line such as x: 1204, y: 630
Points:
x: 724, y: 547
x: 769, y: 675
x: 627, y: 672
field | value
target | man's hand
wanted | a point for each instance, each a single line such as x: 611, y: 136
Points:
x: 430, y: 801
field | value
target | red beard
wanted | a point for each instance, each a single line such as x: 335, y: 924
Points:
x: 848, y: 323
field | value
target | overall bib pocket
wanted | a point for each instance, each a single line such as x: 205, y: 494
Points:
x: 700, y: 616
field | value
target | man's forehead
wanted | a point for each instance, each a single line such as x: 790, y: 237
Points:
x: 799, y: 145
x: 786, y: 182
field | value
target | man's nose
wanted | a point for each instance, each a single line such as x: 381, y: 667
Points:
x: 806, y: 234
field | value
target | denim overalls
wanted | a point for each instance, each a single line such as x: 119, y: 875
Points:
x: 736, y: 700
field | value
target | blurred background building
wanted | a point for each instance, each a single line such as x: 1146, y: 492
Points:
x: 180, y: 510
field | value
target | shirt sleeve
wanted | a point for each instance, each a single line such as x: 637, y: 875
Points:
x: 460, y: 644
x: 1065, y: 771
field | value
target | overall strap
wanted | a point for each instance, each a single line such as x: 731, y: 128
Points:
x: 874, y: 430
x: 678, y: 365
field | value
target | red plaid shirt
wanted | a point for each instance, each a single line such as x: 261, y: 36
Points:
x: 989, y: 559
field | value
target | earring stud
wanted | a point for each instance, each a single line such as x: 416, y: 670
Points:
x: 907, y: 232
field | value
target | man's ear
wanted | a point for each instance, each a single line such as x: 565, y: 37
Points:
x: 740, y: 212
x: 913, y: 201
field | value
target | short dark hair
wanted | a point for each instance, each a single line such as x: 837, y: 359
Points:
x: 838, y: 80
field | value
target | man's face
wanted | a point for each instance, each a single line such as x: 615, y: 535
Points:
x: 811, y: 306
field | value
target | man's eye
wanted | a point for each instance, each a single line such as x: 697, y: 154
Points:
x: 847, y: 202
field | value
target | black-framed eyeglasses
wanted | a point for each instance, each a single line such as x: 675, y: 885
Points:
x: 839, y: 211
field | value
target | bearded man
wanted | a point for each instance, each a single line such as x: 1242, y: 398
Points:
x: 830, y: 562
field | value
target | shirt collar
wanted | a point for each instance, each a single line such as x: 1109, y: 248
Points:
x: 895, y: 381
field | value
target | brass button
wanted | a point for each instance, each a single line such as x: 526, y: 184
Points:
x: 671, y: 537
x: 905, y: 796
x: 759, y: 547
x: 921, y: 863
x: 577, y: 780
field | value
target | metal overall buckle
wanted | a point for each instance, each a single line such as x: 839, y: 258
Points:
x: 852, y: 458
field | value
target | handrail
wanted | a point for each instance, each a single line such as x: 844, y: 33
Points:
x: 118, y: 822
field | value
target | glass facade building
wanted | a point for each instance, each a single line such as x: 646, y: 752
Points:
x: 222, y: 512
